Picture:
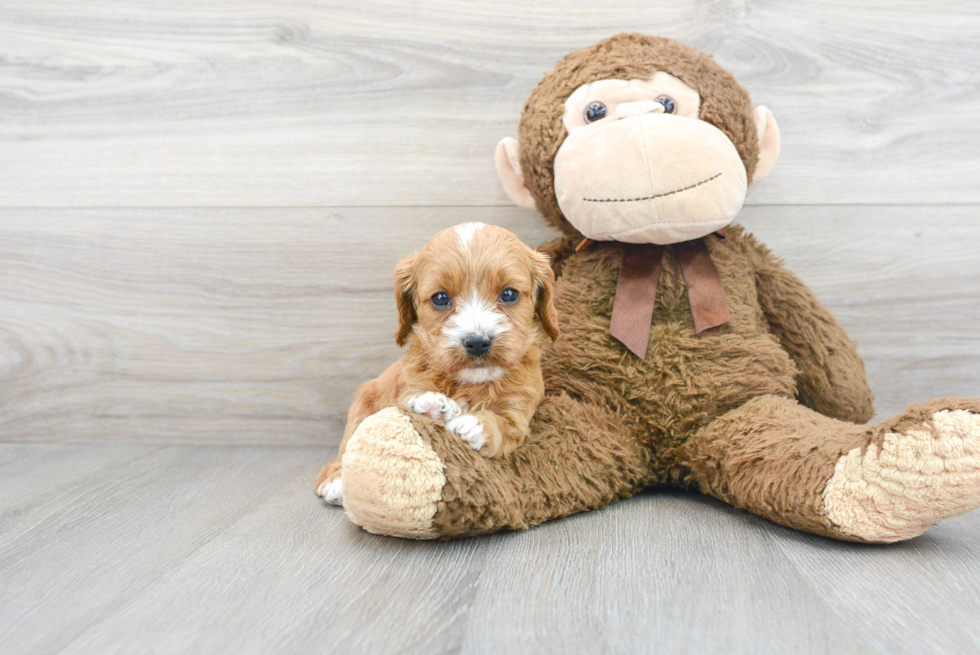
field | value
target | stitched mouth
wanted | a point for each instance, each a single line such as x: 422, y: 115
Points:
x: 657, y: 195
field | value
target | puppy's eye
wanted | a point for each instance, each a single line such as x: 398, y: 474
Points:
x: 594, y: 112
x: 667, y: 102
x: 509, y: 296
x: 441, y: 300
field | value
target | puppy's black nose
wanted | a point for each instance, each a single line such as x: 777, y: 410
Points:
x: 477, y: 345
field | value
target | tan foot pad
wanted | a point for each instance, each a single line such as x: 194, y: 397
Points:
x: 392, y: 480
x: 918, y: 477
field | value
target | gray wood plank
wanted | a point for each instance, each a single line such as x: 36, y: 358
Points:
x: 88, y: 548
x: 225, y: 549
x: 249, y: 326
x: 294, y: 576
x: 37, y: 479
x: 921, y: 596
x: 659, y: 573
x: 257, y: 326
x: 291, y: 575
x: 263, y: 103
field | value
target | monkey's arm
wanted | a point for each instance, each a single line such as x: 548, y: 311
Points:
x: 830, y: 378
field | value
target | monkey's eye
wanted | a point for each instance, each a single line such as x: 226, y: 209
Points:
x: 509, y: 296
x: 441, y: 300
x: 594, y: 112
x: 667, y: 102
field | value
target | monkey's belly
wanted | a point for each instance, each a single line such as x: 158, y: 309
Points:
x: 685, y: 380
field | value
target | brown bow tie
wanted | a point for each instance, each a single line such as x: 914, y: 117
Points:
x: 636, y: 291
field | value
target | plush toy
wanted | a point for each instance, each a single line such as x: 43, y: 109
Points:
x: 689, y: 356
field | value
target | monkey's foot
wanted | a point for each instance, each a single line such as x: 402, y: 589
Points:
x: 392, y: 479
x: 921, y: 470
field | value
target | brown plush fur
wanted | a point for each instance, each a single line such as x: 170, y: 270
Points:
x: 619, y: 424
x: 586, y: 440
x: 774, y: 459
x: 756, y: 412
x: 724, y: 104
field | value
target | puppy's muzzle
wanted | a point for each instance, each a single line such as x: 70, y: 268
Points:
x: 477, y: 345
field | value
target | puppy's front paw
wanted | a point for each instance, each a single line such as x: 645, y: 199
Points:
x: 332, y: 492
x: 469, y: 430
x: 437, y: 406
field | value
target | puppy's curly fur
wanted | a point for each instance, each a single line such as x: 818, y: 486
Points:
x: 476, y: 284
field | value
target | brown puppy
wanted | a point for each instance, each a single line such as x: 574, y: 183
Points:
x: 474, y: 306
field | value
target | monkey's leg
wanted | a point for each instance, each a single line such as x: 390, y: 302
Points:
x: 406, y: 476
x: 878, y: 483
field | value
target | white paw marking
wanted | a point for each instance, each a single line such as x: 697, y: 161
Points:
x: 437, y: 406
x: 332, y: 491
x: 469, y: 430
x: 914, y: 479
x: 440, y: 407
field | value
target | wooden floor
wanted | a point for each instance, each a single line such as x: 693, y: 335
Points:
x: 200, y: 207
x: 129, y: 548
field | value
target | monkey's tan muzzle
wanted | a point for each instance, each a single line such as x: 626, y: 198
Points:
x: 650, y: 178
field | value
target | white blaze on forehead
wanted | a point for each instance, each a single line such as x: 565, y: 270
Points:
x: 475, y: 316
x: 466, y: 232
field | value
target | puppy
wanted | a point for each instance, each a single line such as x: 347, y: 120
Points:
x: 474, y: 308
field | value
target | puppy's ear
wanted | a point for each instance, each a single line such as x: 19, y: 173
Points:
x: 405, y: 298
x: 544, y: 287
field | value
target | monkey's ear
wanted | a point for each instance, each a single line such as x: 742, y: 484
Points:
x: 768, y: 131
x: 405, y: 298
x: 508, y: 162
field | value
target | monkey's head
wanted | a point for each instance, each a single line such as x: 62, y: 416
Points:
x: 638, y: 139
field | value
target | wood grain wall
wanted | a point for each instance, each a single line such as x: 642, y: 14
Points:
x: 201, y: 203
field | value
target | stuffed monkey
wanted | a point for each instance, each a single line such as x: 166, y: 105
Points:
x: 689, y: 356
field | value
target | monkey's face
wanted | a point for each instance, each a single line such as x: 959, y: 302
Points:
x: 638, y: 139
x: 639, y: 166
